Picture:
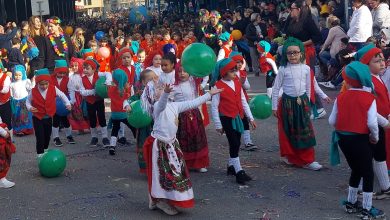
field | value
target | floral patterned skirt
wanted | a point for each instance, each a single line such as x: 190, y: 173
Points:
x: 21, y: 117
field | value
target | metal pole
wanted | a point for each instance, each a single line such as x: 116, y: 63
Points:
x: 16, y: 12
x: 25, y: 9
x: 346, y: 11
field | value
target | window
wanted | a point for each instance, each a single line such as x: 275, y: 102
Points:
x: 89, y: 2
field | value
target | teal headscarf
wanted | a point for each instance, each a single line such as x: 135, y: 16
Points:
x: 120, y: 78
x: 291, y: 41
x: 19, y: 68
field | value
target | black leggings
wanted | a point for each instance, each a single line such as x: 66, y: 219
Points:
x: 60, y: 119
x: 116, y: 125
x: 6, y: 114
x: 269, y: 79
x: 245, y: 121
x: 379, y: 149
x: 42, y: 131
x: 233, y: 136
x: 98, y: 109
x: 358, y: 154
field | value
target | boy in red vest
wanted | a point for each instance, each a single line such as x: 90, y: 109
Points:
x: 226, y: 47
x: 267, y: 65
x: 373, y: 57
x: 60, y: 80
x: 5, y: 95
x: 42, y: 103
x: 228, y: 109
x: 95, y: 104
x: 355, y: 139
x: 7, y: 148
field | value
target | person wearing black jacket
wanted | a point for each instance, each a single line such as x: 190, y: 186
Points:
x: 239, y: 23
x: 5, y: 38
x: 38, y: 34
x: 255, y: 32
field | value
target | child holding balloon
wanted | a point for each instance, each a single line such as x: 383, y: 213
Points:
x: 228, y: 110
x: 296, y: 135
x: 7, y: 148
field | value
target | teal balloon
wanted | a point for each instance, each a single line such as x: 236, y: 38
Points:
x: 261, y: 106
x: 52, y: 163
x: 198, y: 60
x: 137, y: 117
x: 138, y: 15
x: 101, y: 88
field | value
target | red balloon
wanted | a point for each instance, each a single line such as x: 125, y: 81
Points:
x: 104, y: 52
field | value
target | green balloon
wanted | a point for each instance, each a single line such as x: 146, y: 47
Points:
x: 261, y: 106
x: 52, y: 163
x: 137, y: 117
x: 101, y: 88
x: 198, y: 60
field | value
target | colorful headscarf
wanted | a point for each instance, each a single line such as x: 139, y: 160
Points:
x: 357, y: 75
x: 220, y: 70
x: 21, y: 69
x: 291, y: 41
x: 54, y: 20
x: 366, y: 53
x: 120, y: 79
x: 215, y: 14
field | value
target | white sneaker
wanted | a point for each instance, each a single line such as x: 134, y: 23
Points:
x: 285, y: 160
x: 313, y: 166
x: 165, y: 207
x: 4, y: 183
x: 321, y: 113
x: 203, y: 170
x: 152, y: 204
x: 327, y: 85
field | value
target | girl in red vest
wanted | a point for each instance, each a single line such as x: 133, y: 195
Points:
x: 296, y: 135
x: 95, y: 104
x: 5, y: 95
x: 357, y: 104
x: 228, y: 110
x: 242, y: 76
x: 267, y: 65
x: 226, y: 47
x: 373, y: 57
x: 7, y: 148
x: 42, y: 103
x: 60, y: 80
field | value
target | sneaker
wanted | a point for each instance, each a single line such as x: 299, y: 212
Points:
x: 57, y: 142
x: 383, y: 194
x: 231, y: 171
x: 321, y: 114
x: 111, y: 150
x: 373, y: 213
x: 123, y: 141
x: 242, y: 177
x: 71, y: 140
x: 328, y: 85
x: 353, y: 208
x: 152, y: 204
x: 203, y: 170
x: 4, y: 183
x: 165, y: 207
x: 313, y: 166
x: 250, y: 147
x: 106, y: 142
x: 94, y: 141
x: 285, y: 160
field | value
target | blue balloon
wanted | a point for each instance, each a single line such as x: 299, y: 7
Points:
x: 99, y: 35
x: 60, y: 108
x: 138, y: 15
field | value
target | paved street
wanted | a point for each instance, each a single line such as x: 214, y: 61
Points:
x: 98, y: 186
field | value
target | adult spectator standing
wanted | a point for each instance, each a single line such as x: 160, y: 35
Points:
x: 380, y: 16
x: 239, y: 23
x: 38, y: 34
x: 255, y: 32
x: 5, y: 38
x: 360, y: 27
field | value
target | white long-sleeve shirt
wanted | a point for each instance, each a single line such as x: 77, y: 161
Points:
x: 166, y: 115
x: 90, y: 92
x: 167, y: 78
x: 59, y: 94
x: 75, y: 81
x: 216, y: 100
x: 373, y: 118
x: 294, y: 79
x: 21, y: 88
x: 246, y: 84
x: 185, y: 91
x: 157, y: 70
x: 361, y: 25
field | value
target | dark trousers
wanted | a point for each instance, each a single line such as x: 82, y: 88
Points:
x: 96, y: 112
x: 233, y: 136
x: 245, y: 121
x: 60, y: 119
x: 116, y: 125
x: 269, y: 79
x: 358, y: 153
x: 379, y: 149
x: 6, y: 114
x: 42, y: 130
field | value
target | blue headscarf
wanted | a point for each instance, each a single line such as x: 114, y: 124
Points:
x: 19, y: 68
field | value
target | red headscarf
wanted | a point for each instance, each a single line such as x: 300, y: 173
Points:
x: 149, y: 58
x: 80, y: 63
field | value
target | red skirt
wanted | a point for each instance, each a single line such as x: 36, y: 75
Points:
x: 148, y: 151
x: 76, y: 118
x: 7, y: 148
x: 192, y: 138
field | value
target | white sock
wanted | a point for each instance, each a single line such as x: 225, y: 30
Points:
x: 68, y: 131
x: 230, y: 163
x: 121, y: 130
x: 352, y: 194
x: 247, y: 137
x: 104, y: 131
x: 269, y: 92
x: 236, y: 164
x: 113, y: 141
x: 93, y: 132
x: 380, y: 170
x: 11, y: 134
x: 361, y: 185
x: 54, y: 132
x: 367, y: 200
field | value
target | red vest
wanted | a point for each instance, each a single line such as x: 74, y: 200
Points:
x: 130, y: 75
x: 230, y: 104
x: 45, y: 106
x: 4, y: 97
x: 63, y: 86
x: 116, y: 99
x: 382, y: 97
x: 227, y: 52
x: 88, y: 86
x: 352, y: 107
